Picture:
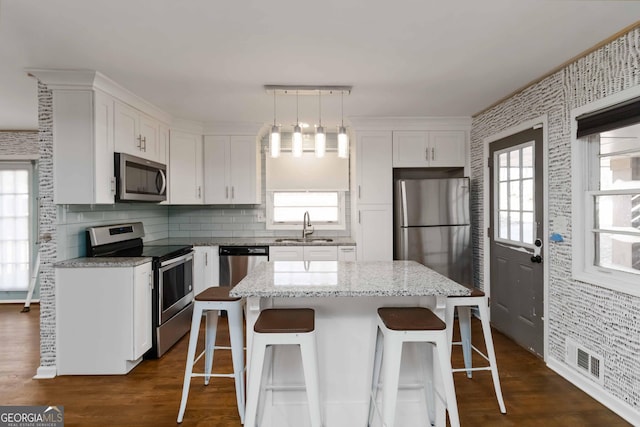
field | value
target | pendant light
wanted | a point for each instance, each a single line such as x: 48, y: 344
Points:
x: 343, y: 139
x: 321, y: 138
x: 274, y: 141
x: 296, y: 143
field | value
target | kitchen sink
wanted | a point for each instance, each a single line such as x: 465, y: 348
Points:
x: 300, y: 240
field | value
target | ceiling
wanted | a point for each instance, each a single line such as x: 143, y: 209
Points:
x: 207, y: 60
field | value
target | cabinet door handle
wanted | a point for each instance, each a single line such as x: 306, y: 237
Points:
x: 346, y: 249
x: 359, y: 192
x: 433, y: 153
x: 426, y: 154
x: 226, y: 190
x: 144, y: 144
x: 233, y: 192
x: 139, y: 139
x: 359, y: 222
x: 206, y: 258
x: 199, y: 192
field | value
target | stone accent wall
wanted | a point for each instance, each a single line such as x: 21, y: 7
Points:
x: 48, y: 234
x: 19, y: 143
x: 604, y: 321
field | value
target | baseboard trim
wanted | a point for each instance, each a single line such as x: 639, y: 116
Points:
x: 45, y: 373
x: 618, y: 406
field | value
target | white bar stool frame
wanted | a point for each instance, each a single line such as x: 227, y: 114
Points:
x: 387, y: 359
x: 307, y: 343
x: 211, y: 308
x: 464, y: 305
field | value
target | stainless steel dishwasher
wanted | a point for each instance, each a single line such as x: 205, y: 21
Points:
x: 237, y: 261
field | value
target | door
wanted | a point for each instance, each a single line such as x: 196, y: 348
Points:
x: 516, y: 226
x: 374, y: 167
x: 242, y: 169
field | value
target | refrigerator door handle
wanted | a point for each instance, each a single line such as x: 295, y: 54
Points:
x: 403, y: 204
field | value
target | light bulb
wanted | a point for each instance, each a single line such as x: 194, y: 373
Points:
x: 296, y: 144
x: 275, y: 141
x: 343, y: 143
x: 321, y: 141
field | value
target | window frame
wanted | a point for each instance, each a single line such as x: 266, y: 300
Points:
x: 585, y: 156
x: 496, y: 178
x: 339, y: 225
x: 29, y: 167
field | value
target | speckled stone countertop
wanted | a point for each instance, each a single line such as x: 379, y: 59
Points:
x: 253, y: 241
x: 345, y: 279
x: 89, y: 262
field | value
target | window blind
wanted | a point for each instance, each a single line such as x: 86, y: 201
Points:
x: 613, y: 117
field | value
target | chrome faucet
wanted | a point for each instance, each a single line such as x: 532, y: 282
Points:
x: 307, y: 228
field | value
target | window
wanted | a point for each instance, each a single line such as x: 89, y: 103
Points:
x: 607, y: 204
x: 15, y: 248
x: 515, y: 215
x: 285, y: 209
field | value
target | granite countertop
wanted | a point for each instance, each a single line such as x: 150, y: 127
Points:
x: 88, y: 262
x: 254, y: 241
x: 345, y: 279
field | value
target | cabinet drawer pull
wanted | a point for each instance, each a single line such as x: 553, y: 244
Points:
x: 433, y: 153
x: 233, y: 192
x: 226, y: 189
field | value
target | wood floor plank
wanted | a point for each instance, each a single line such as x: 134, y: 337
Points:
x: 149, y: 396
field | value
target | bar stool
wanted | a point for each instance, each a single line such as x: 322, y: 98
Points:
x: 209, y: 302
x: 397, y: 325
x: 463, y: 305
x: 284, y: 326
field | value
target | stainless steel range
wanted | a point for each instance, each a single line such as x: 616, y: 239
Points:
x: 172, y: 275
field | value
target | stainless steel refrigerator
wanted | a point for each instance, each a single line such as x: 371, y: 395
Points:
x: 432, y: 225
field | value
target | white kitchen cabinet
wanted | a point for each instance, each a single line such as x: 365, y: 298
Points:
x: 185, y: 169
x: 206, y: 268
x: 320, y: 253
x: 231, y: 170
x: 347, y: 253
x: 83, y: 147
x: 374, y: 171
x: 103, y: 317
x: 137, y: 133
x: 429, y: 148
x: 286, y: 253
x: 374, y: 232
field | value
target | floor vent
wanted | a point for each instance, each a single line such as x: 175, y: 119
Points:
x: 585, y: 361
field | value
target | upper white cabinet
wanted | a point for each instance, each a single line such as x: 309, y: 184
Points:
x: 93, y: 117
x: 138, y: 134
x: 429, y: 148
x: 374, y: 172
x: 185, y: 169
x: 83, y: 169
x: 231, y: 170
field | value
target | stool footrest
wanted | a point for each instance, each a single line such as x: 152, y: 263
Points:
x: 213, y: 375
x: 474, y: 348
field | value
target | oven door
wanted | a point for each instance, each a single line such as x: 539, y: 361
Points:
x: 175, y: 286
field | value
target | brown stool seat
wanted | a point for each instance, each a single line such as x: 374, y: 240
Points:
x: 410, y: 319
x: 475, y: 292
x: 216, y: 293
x: 285, y: 320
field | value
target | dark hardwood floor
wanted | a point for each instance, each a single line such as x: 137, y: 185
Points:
x: 150, y: 394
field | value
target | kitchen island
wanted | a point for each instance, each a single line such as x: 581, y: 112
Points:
x: 345, y: 297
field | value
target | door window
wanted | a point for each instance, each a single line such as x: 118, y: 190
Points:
x: 15, y: 180
x: 515, y: 216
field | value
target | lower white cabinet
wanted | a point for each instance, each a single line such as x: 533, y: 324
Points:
x: 347, y: 253
x: 320, y: 253
x: 307, y: 253
x: 103, y: 317
x: 206, y: 268
x: 286, y: 253
x: 374, y: 232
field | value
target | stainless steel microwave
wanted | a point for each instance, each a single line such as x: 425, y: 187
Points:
x: 139, y: 180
